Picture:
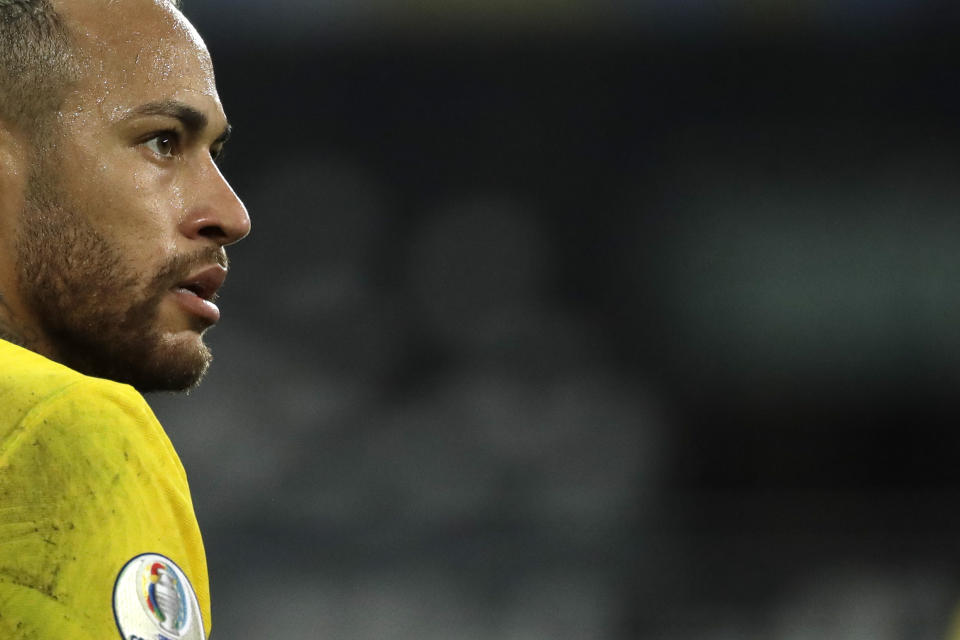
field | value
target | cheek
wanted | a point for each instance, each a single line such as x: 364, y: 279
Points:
x: 132, y: 202
x: 134, y: 220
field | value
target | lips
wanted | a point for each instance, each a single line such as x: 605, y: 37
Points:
x: 205, y: 283
x: 197, y: 292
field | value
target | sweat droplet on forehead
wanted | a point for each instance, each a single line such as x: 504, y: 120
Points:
x: 138, y: 42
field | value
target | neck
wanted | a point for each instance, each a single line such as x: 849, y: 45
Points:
x: 13, y: 331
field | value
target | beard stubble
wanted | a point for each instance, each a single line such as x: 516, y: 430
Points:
x: 98, y: 313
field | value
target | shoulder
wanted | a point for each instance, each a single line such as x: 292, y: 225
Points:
x: 41, y: 399
x: 30, y: 382
x: 53, y: 419
x: 88, y: 480
x: 24, y: 371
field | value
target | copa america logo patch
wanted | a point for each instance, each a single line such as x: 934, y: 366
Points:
x: 153, y: 600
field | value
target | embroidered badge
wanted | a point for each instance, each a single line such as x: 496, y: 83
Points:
x: 153, y: 600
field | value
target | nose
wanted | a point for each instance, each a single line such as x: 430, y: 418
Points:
x: 217, y: 213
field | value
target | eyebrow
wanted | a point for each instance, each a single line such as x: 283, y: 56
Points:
x: 193, y: 120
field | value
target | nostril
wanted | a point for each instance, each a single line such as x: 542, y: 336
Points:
x: 212, y: 231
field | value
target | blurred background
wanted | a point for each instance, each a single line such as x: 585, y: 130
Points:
x: 585, y: 320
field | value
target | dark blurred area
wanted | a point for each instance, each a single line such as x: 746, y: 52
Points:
x: 585, y: 321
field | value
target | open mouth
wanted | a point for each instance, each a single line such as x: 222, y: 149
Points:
x: 197, y: 292
x: 204, y: 284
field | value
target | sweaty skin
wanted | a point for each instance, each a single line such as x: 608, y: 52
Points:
x: 114, y: 220
x: 127, y: 203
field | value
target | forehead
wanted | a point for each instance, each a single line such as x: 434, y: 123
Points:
x: 136, y: 51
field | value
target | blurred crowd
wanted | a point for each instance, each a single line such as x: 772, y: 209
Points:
x: 583, y: 340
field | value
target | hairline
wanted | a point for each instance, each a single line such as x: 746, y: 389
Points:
x: 42, y: 126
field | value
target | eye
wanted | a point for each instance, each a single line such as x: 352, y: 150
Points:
x: 163, y: 144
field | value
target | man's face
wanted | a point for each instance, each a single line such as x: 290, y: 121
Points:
x: 120, y: 242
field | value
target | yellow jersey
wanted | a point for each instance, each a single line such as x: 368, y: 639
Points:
x: 98, y: 537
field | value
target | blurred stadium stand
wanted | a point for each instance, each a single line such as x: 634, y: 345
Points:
x: 586, y: 320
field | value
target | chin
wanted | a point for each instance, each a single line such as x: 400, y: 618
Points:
x: 174, y: 362
x: 179, y: 362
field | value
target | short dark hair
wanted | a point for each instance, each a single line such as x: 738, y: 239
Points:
x: 37, y: 63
